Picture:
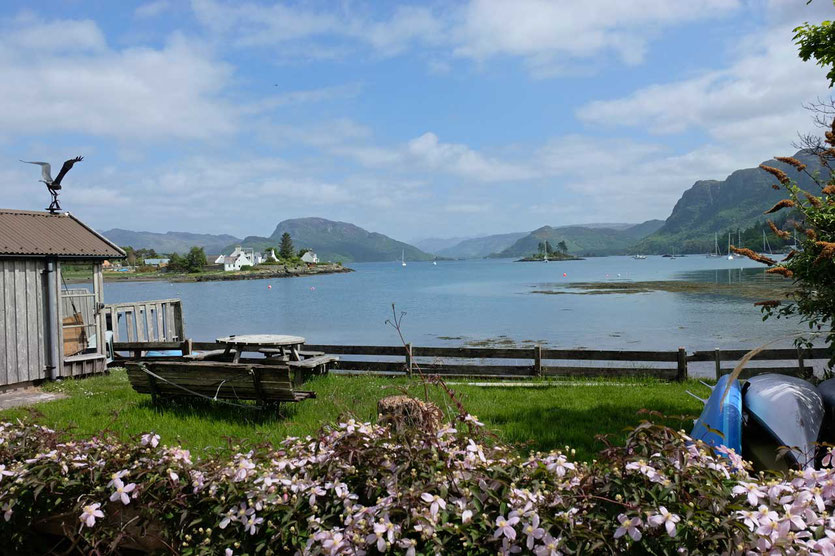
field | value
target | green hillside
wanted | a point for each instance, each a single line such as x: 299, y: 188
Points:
x: 581, y: 240
x: 479, y: 247
x: 169, y: 242
x: 338, y: 241
x: 712, y: 206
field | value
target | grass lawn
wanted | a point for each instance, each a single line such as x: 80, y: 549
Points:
x: 563, y: 413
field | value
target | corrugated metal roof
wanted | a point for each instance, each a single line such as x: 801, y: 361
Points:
x: 27, y: 234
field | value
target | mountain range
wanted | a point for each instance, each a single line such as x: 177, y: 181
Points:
x: 582, y: 240
x: 338, y: 241
x: 170, y: 242
x: 721, y: 206
x: 707, y: 208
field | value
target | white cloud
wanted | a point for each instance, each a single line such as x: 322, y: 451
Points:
x: 153, y: 9
x: 146, y: 93
x: 550, y: 35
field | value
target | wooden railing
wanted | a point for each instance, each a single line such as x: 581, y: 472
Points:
x: 527, y: 362
x: 160, y: 320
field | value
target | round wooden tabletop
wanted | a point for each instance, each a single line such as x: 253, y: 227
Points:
x: 262, y: 340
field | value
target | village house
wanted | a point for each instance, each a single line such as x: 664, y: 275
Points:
x: 310, y: 257
x: 239, y: 258
x: 161, y: 263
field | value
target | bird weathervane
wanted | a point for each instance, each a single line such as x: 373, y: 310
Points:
x: 54, y: 185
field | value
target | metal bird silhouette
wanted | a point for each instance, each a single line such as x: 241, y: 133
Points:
x: 54, y: 185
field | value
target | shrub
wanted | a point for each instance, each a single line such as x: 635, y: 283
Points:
x: 359, y: 487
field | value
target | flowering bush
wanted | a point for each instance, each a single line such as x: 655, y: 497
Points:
x: 360, y: 488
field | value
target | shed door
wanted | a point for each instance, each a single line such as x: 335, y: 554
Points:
x: 23, y: 318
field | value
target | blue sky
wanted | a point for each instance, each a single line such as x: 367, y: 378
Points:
x: 430, y: 119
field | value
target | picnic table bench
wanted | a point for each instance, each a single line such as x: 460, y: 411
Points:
x: 304, y: 369
x: 266, y: 384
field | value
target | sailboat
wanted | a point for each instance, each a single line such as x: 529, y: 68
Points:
x: 403, y: 258
x: 766, y: 245
x: 435, y: 261
x: 715, y: 252
x: 639, y: 257
x: 730, y: 255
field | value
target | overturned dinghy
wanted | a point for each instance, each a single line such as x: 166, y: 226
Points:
x: 720, y: 423
x: 788, y: 411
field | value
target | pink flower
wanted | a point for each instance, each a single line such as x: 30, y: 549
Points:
x: 466, y: 516
x: 242, y: 469
x: 550, y: 546
x: 827, y: 459
x: 665, y: 518
x: 435, y: 503
x: 505, y: 526
x: 629, y: 526
x: 533, y: 531
x: 7, y: 510
x: 116, y: 476
x: 150, y: 439
x: 90, y: 513
x: 122, y: 491
x: 4, y: 472
x: 751, y: 490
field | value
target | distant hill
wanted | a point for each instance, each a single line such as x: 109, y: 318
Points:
x: 338, y: 241
x: 480, y: 247
x: 582, y: 240
x: 712, y: 206
x: 169, y: 242
x: 435, y: 244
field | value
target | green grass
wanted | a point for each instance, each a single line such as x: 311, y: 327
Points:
x: 555, y: 415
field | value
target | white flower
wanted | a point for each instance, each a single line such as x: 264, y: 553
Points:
x: 7, y: 510
x: 751, y: 490
x: 4, y: 472
x: 533, y: 531
x: 505, y: 526
x: 474, y: 420
x: 151, y: 439
x: 116, y: 476
x: 121, y: 492
x: 90, y: 513
x: 550, y: 546
x: 665, y: 518
x: 466, y: 516
x: 628, y: 526
x: 435, y: 503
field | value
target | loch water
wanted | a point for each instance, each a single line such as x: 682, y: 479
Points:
x: 485, y: 302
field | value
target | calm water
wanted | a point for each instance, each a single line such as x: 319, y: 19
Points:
x: 466, y: 301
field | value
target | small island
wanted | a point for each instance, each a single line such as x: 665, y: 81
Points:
x: 547, y: 253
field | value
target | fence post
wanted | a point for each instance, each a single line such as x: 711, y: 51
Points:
x: 718, y: 358
x: 186, y: 346
x: 537, y: 360
x: 800, y: 362
x: 409, y: 359
x: 682, y: 364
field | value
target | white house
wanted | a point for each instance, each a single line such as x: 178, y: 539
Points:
x: 310, y: 257
x: 239, y: 258
x: 270, y: 256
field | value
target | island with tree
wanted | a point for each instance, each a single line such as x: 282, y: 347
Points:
x: 547, y: 253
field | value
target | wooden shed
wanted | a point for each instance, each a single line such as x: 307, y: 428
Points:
x: 48, y: 329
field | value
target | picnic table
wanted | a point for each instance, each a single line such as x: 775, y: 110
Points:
x: 288, y: 345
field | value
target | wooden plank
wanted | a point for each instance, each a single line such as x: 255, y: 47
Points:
x: 7, y: 333
x: 668, y: 374
x: 781, y: 354
x: 754, y: 371
x: 170, y: 331
x: 609, y: 355
x: 114, y: 322
x: 35, y: 369
x: 18, y: 372
x: 130, y: 324
x: 140, y: 322
x: 357, y: 350
x: 149, y: 346
x: 179, y: 319
x: 158, y: 311
x: 472, y: 353
x: 313, y: 361
x: 537, y: 360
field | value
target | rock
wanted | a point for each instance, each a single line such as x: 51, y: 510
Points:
x: 405, y: 412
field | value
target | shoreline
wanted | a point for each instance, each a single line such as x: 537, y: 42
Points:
x: 284, y: 272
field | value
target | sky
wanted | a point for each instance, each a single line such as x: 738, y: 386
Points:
x: 413, y: 119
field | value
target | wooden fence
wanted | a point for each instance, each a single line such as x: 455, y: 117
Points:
x: 146, y: 321
x: 527, y: 362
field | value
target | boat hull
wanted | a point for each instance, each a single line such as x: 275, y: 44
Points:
x: 790, y: 410
x: 720, y: 423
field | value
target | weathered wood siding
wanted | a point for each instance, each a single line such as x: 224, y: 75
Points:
x: 22, y: 321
